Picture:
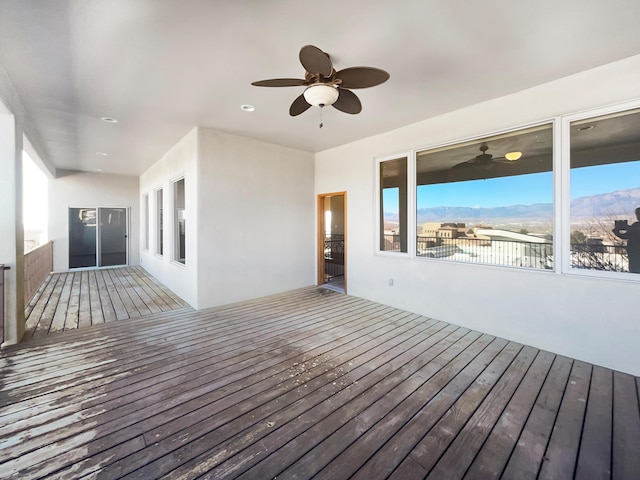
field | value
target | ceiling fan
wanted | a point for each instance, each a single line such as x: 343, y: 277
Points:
x: 485, y: 160
x: 325, y: 85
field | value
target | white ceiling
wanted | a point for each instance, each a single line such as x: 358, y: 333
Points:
x: 162, y: 67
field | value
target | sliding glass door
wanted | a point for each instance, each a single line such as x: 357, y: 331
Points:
x: 97, y: 237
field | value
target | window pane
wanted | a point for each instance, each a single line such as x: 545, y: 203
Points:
x: 159, y: 221
x: 605, y: 193
x: 393, y: 205
x: 488, y: 201
x: 179, y: 221
x: 146, y: 222
x: 82, y: 237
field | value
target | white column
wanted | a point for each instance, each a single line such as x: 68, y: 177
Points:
x: 11, y: 228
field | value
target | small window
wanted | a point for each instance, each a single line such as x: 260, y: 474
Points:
x: 488, y: 201
x: 393, y: 205
x: 159, y: 223
x: 605, y: 193
x: 146, y: 213
x: 179, y: 221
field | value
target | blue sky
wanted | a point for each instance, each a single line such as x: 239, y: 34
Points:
x: 521, y: 190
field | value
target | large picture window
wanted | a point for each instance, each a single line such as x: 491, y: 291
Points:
x: 605, y: 193
x: 393, y: 205
x: 488, y: 201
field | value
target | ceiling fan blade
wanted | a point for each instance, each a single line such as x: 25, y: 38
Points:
x: 280, y: 82
x: 462, y: 165
x: 299, y: 106
x: 348, y: 102
x: 362, y: 77
x: 315, y: 60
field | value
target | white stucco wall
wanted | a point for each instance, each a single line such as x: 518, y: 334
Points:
x: 79, y: 189
x: 593, y: 319
x: 180, y: 161
x: 257, y: 218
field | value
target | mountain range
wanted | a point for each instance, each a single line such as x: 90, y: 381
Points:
x: 620, y: 203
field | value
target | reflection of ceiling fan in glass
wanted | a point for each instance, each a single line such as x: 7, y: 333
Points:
x: 324, y: 85
x: 486, y: 161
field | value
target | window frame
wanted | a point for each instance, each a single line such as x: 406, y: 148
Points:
x: 478, y: 138
x: 566, y: 121
x: 561, y: 221
x: 410, y: 159
x: 175, y: 244
x: 146, y: 224
x: 159, y: 221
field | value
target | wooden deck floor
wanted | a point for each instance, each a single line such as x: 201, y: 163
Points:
x: 72, y: 300
x: 308, y: 384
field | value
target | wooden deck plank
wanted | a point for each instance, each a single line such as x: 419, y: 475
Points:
x: 84, y: 307
x: 135, y: 415
x: 368, y: 377
x: 97, y: 317
x: 252, y: 347
x: 129, y: 287
x: 161, y: 299
x: 125, y: 294
x: 117, y: 305
x: 493, y: 455
x: 458, y: 456
x: 94, y: 296
x: 230, y: 354
x: 36, y: 298
x: 73, y: 310
x: 595, y: 447
x: 430, y: 448
x: 527, y: 457
x: 562, y: 451
x: 152, y: 302
x: 308, y: 383
x: 44, y: 324
x: 105, y: 301
x: 169, y: 293
x: 300, y: 388
x: 626, y: 427
x: 60, y: 315
x: 40, y: 388
x: 33, y: 318
x: 328, y: 438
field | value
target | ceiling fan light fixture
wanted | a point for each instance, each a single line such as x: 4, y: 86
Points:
x: 321, y: 95
x: 513, y: 156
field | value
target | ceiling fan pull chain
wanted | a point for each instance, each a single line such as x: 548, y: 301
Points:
x: 321, y: 110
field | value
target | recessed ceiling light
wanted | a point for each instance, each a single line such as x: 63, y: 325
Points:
x: 248, y: 108
x: 102, y: 154
x: 108, y: 119
x: 586, y: 127
x: 98, y: 169
x: 513, y: 156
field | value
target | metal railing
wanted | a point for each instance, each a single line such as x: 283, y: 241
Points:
x: 392, y: 243
x: 2, y: 306
x: 333, y: 255
x: 607, y: 258
x: 539, y: 255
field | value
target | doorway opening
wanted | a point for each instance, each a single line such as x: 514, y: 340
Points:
x: 332, y: 240
x: 98, y: 237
